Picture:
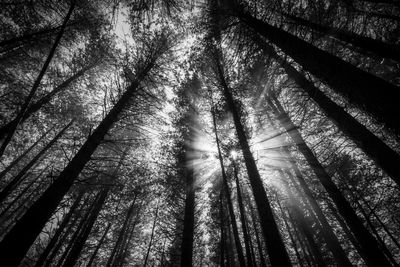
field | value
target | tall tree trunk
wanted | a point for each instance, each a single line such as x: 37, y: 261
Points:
x: 37, y: 81
x: 98, y: 246
x: 188, y: 220
x: 33, y: 108
x: 375, y: 148
x: 222, y: 233
x: 59, y: 231
x: 83, y: 236
x: 225, y: 185
x: 368, y: 44
x: 276, y: 249
x: 301, y: 221
x: 366, y: 91
x: 17, y: 242
x: 121, y: 234
x: 327, y: 231
x: 259, y: 244
x: 242, y: 212
x: 18, y: 178
x: 152, y: 235
x: 371, y: 251
x: 299, y: 259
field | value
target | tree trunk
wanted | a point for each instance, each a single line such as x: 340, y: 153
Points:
x: 368, y: 44
x: 366, y: 91
x: 259, y: 245
x: 371, y: 251
x: 242, y: 211
x: 225, y: 185
x: 59, y: 231
x: 37, y: 81
x: 375, y: 148
x: 99, y: 244
x: 83, y: 236
x: 275, y: 246
x: 121, y: 234
x: 151, y: 236
x: 188, y: 220
x: 299, y: 259
x: 18, y: 178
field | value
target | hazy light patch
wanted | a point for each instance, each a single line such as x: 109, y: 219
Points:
x: 122, y: 28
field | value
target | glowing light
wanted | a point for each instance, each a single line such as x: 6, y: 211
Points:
x: 233, y: 154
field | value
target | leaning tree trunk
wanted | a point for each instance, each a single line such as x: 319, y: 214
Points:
x: 275, y: 246
x: 259, y: 245
x: 366, y: 91
x: 37, y: 81
x: 225, y: 185
x: 17, y: 242
x: 375, y: 148
x: 371, y: 251
x: 367, y: 44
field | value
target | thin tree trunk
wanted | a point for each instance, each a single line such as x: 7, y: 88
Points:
x: 188, y: 220
x: 151, y: 236
x: 243, y: 217
x: 366, y: 91
x: 299, y: 259
x: 83, y: 236
x: 222, y: 234
x: 276, y: 249
x: 371, y: 251
x: 375, y: 148
x: 295, y: 212
x: 76, y: 234
x: 99, y: 244
x: 37, y: 82
x: 225, y: 185
x: 59, y: 231
x: 121, y: 234
x: 17, y: 242
x: 259, y: 245
x: 19, y: 177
